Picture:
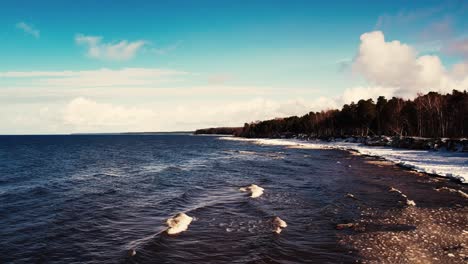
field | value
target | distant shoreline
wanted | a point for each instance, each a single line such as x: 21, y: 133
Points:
x: 107, y: 133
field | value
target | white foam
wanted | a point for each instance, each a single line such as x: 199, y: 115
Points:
x: 255, y: 190
x: 179, y: 223
x: 442, y: 163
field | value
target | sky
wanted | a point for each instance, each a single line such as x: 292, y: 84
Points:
x: 127, y: 66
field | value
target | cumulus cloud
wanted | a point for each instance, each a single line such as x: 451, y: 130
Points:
x: 398, y: 66
x: 355, y: 94
x: 460, y: 71
x: 29, y: 29
x: 119, y: 51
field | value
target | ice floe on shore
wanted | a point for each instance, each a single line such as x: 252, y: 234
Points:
x: 442, y: 163
x: 408, y: 201
x: 255, y: 190
x: 178, y: 223
x: 278, y: 225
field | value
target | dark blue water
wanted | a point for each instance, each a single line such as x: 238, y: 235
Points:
x: 92, y: 198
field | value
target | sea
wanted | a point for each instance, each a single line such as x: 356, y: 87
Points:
x: 105, y: 199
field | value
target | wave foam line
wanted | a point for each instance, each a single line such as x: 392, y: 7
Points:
x: 442, y: 163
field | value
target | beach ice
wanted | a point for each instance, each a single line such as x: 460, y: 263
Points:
x: 178, y: 223
x: 255, y: 190
x: 442, y: 163
x: 278, y: 224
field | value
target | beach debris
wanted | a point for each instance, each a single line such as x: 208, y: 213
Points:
x: 178, y: 223
x: 278, y: 225
x: 344, y: 226
x: 255, y: 190
x: 350, y: 195
x: 408, y: 201
x: 460, y: 192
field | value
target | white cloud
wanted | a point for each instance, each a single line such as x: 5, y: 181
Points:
x: 167, y: 49
x: 460, y: 71
x: 86, y: 115
x: 220, y: 78
x: 136, y: 100
x: 396, y: 65
x: 357, y: 93
x: 95, y: 78
x: 114, y: 113
x: 29, y: 29
x: 119, y: 51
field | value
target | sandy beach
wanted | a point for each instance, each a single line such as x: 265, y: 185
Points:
x: 390, y: 231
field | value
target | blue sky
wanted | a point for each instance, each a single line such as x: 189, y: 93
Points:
x: 257, y: 59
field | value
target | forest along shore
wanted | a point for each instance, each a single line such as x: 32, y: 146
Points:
x: 432, y: 116
x: 431, y: 122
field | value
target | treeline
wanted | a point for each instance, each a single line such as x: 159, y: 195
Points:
x: 220, y: 131
x: 431, y: 115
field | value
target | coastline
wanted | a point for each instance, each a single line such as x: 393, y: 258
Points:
x: 388, y: 229
x: 440, y: 163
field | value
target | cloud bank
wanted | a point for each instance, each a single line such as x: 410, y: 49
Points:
x: 95, y: 78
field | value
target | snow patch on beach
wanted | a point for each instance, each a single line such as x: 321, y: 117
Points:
x: 443, y: 163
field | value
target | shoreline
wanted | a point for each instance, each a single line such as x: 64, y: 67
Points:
x: 387, y: 227
x: 422, y: 221
x: 389, y: 230
x: 391, y: 154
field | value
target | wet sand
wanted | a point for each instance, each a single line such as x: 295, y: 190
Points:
x: 435, y: 230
